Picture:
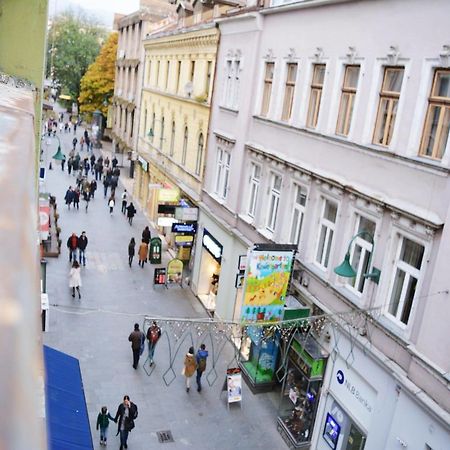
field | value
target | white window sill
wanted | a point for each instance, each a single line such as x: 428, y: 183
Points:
x: 220, y: 200
x: 229, y: 109
x: 266, y: 233
x: 246, y: 218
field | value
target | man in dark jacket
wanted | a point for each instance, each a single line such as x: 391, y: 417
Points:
x: 72, y: 245
x: 126, y: 414
x: 201, y: 356
x: 137, y: 339
x: 82, y: 244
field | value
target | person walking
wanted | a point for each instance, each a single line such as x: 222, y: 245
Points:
x: 114, y: 162
x: 153, y: 335
x: 72, y: 245
x: 70, y: 165
x: 75, y: 128
x: 75, y: 279
x: 105, y: 187
x: 92, y: 188
x: 124, y: 201
x: 74, y: 142
x: 76, y: 198
x: 111, y: 203
x: 146, y: 235
x: 92, y: 164
x: 200, y: 359
x: 131, y: 211
x: 69, y: 197
x: 106, y: 162
x: 131, y: 250
x: 82, y: 244
x: 103, y: 419
x: 142, y: 252
x: 127, y: 413
x: 189, y: 367
x: 137, y: 339
x: 63, y: 161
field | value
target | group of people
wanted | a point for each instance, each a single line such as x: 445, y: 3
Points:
x: 143, y: 252
x: 76, y: 244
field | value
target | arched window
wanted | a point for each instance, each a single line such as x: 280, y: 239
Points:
x: 198, y: 164
x: 172, y: 140
x: 185, y: 143
x: 161, y: 138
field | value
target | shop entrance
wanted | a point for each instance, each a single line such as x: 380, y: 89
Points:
x: 208, y: 282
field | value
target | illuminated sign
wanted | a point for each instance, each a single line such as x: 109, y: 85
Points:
x: 212, y: 245
x: 168, y: 195
x: 184, y: 228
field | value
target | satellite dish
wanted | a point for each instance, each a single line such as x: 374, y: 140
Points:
x: 188, y: 88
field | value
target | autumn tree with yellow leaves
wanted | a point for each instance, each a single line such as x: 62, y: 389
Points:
x: 97, y: 84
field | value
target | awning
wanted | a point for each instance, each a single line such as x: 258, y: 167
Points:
x: 67, y: 418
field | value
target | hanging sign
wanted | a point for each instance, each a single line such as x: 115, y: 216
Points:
x: 187, y: 214
x: 184, y: 241
x: 213, y: 246
x: 155, y: 251
x: 144, y: 163
x: 159, y: 277
x: 234, y: 385
x: 175, y: 272
x: 184, y: 228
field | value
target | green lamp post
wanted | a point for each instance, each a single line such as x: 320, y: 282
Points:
x: 346, y: 270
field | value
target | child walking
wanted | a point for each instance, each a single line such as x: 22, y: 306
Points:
x: 103, y: 422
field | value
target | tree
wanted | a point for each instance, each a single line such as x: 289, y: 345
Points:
x: 73, y: 43
x: 97, y: 84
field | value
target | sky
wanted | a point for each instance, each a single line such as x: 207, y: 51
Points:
x: 103, y: 9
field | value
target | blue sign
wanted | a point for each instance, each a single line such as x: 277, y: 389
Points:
x: 340, y: 376
x: 331, y: 431
x: 184, y: 228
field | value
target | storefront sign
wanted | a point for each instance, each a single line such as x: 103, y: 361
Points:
x: 44, y: 219
x: 159, y: 277
x: 166, y: 209
x: 212, y: 245
x: 184, y: 228
x: 165, y: 221
x: 186, y: 214
x: 184, y: 241
x: 154, y: 186
x: 266, y: 282
x: 143, y: 163
x: 168, y: 195
x: 353, y: 392
x: 175, y: 271
x: 234, y: 385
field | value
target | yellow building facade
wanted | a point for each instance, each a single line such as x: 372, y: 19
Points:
x: 175, y: 108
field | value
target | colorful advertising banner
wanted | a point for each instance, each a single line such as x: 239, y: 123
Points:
x: 234, y: 385
x: 266, y: 281
x: 175, y: 271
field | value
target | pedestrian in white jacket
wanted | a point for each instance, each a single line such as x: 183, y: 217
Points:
x: 75, y: 279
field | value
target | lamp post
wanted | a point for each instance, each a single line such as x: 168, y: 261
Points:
x: 58, y: 156
x: 346, y: 270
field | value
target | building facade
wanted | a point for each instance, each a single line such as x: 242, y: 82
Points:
x: 324, y: 137
x: 132, y: 30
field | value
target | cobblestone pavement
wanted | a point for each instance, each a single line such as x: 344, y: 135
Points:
x: 95, y: 330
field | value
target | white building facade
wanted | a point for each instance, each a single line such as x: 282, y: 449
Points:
x: 329, y: 130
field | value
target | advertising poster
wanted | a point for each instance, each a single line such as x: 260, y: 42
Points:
x: 234, y: 385
x: 175, y: 271
x: 266, y: 283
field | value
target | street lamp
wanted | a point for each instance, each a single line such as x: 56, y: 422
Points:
x: 346, y: 270
x: 59, y: 156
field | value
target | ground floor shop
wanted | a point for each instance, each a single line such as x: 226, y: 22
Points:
x: 216, y: 276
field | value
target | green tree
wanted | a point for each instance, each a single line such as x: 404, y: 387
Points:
x: 97, y: 84
x: 73, y: 43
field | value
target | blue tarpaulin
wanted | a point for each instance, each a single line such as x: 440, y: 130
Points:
x: 67, y: 418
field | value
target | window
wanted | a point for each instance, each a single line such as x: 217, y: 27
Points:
x: 166, y: 80
x: 192, y: 71
x: 316, y: 95
x: 198, y: 164
x: 255, y: 177
x: 326, y: 232
x: 152, y: 134
x: 289, y: 89
x: 360, y: 253
x: 236, y: 81
x: 437, y: 123
x: 161, y: 138
x: 223, y: 173
x: 348, y: 95
x: 149, y: 71
x: 407, y: 266
x: 172, y: 140
x: 132, y: 124
x: 274, y: 202
x: 208, y: 79
x: 387, y: 108
x: 185, y: 143
x: 158, y: 66
x: 178, y: 74
x: 228, y: 82
x: 297, y: 214
x: 268, y: 81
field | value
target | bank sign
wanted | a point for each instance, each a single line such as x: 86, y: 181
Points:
x: 353, y: 393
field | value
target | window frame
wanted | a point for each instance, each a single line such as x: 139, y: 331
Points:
x: 330, y: 229
x: 200, y: 149
x: 345, y: 118
x: 161, y: 137
x: 289, y: 91
x: 443, y: 103
x: 296, y: 230
x: 185, y: 145
x: 172, y: 139
x: 222, y: 173
x: 267, y: 89
x: 274, y: 195
x: 315, y: 100
x: 254, y: 182
x: 393, y: 99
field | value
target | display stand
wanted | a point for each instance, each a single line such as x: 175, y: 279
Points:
x: 174, y: 273
x: 160, y: 277
x: 232, y: 385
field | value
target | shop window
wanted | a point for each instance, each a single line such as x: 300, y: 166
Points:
x: 360, y: 253
x: 297, y: 214
x: 437, y: 123
x: 348, y: 94
x: 255, y: 177
x: 267, y: 89
x: 274, y: 202
x: 316, y: 95
x: 406, y: 274
x: 326, y: 232
x: 289, y: 90
x: 388, y: 104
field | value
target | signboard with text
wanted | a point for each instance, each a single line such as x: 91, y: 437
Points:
x: 213, y: 246
x: 184, y: 228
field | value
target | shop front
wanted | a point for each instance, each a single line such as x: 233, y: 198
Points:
x: 301, y: 391
x: 141, y: 190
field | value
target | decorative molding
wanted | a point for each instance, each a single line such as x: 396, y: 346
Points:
x: 351, y: 55
x: 291, y: 55
x: 393, y: 55
x: 269, y: 56
x: 319, y: 55
x: 444, y: 56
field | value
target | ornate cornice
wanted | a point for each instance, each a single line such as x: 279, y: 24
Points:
x: 132, y: 63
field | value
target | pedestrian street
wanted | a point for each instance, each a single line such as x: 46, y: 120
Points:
x: 95, y: 330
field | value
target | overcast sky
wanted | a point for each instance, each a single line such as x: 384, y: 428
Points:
x: 103, y: 9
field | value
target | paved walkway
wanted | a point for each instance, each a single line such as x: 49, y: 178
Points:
x: 96, y: 330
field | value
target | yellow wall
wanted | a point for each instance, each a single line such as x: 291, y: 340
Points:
x: 168, y: 68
